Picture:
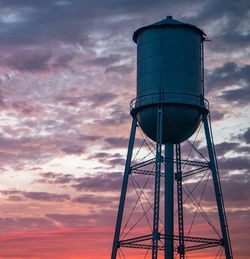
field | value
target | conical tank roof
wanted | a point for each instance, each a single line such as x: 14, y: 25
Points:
x: 168, y: 21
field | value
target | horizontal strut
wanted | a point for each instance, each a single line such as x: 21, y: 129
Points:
x: 204, y: 242
x: 184, y: 174
x: 183, y: 161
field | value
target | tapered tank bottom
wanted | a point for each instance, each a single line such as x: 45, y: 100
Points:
x: 179, y: 122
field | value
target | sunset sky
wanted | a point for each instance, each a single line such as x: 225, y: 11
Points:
x: 67, y: 75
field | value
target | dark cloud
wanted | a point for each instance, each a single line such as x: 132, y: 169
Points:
x: 26, y: 109
x: 44, y: 196
x: 25, y: 223
x: 100, y: 155
x: 41, y: 22
x: 121, y: 69
x: 113, y: 159
x: 98, y: 183
x: 74, y: 101
x: 230, y: 16
x: 74, y: 149
x: 116, y: 161
x: 46, y: 21
x: 230, y: 41
x: 95, y: 200
x: 81, y: 21
x: 225, y: 147
x: 12, y: 195
x: 100, y: 99
x: 16, y: 151
x: 242, y: 177
x: 246, y: 136
x: 105, y: 61
x: 63, y: 60
x: 217, y: 115
x: 91, y: 138
x: 55, y: 178
x: 240, y: 96
x: 122, y: 142
x: 230, y: 74
x: 32, y: 61
x: 117, y: 142
x: 239, y: 161
x: 37, y: 196
x: 2, y: 102
x: 234, y: 163
x: 94, y: 183
x: 38, y: 60
x: 235, y: 191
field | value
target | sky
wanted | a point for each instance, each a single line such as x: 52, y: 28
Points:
x: 67, y: 75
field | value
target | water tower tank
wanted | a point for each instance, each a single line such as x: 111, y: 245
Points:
x: 169, y: 71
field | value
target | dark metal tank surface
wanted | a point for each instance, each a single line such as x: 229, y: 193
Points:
x: 169, y: 72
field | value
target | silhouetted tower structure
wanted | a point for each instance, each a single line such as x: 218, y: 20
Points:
x: 169, y: 108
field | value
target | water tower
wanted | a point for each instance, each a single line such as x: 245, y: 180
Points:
x: 168, y: 109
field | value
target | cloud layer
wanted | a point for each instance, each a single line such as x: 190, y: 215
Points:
x: 67, y: 75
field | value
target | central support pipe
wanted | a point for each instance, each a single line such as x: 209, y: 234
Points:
x: 169, y: 201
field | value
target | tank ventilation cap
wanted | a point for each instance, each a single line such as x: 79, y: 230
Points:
x: 169, y: 17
